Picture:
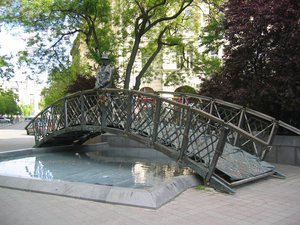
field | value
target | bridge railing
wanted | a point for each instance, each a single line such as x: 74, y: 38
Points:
x: 195, y: 133
x: 260, y: 126
x: 255, y: 130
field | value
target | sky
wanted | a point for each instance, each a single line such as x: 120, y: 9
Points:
x: 12, y: 41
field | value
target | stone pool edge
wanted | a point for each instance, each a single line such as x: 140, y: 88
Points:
x: 152, y: 198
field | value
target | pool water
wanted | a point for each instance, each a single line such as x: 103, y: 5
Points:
x: 94, y: 167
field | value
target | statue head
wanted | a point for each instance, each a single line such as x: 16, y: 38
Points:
x: 104, y: 59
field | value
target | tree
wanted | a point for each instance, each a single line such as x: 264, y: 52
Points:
x: 26, y: 109
x: 52, y: 26
x: 8, y: 103
x: 262, y: 58
x: 6, y: 67
x: 211, y: 40
x: 82, y: 83
x: 158, y: 19
x: 58, y: 82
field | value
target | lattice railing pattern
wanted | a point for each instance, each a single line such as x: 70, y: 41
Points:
x: 260, y: 126
x: 141, y: 114
x: 203, y: 138
x: 171, y: 125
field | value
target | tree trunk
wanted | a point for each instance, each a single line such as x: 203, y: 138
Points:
x: 134, y: 52
x: 150, y: 60
x: 145, y: 68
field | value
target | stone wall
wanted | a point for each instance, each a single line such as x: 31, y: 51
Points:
x: 285, y: 150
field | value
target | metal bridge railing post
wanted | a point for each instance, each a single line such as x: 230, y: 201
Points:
x: 66, y: 112
x: 83, y: 113
x: 270, y: 140
x: 240, y: 124
x: 103, y: 110
x: 185, y: 140
x: 129, y: 111
x: 158, y: 104
x: 218, y: 152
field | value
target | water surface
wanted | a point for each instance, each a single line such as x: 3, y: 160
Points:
x: 93, y: 167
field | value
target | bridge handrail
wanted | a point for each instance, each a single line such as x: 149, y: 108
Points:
x: 222, y: 102
x: 236, y: 106
x: 219, y: 120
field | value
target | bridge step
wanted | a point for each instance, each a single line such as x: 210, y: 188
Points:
x: 236, y: 164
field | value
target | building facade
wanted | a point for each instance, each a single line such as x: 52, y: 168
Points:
x: 28, y: 91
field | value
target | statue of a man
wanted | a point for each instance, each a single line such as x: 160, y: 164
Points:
x: 104, y: 74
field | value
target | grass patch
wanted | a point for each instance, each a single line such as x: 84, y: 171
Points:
x: 200, y: 187
x: 203, y: 188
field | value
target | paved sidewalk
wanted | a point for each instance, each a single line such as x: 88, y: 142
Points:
x: 269, y: 201
x: 12, y: 139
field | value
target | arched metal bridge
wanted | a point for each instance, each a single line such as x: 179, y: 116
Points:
x: 223, y: 142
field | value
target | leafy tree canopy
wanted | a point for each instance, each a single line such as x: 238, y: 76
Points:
x: 6, y: 68
x: 156, y: 24
x: 53, y: 25
x: 123, y: 28
x: 262, y: 58
x: 132, y: 26
x: 8, y: 103
x: 27, y: 109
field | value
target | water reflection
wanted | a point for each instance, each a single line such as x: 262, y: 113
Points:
x: 28, y: 167
x: 96, y: 168
x: 147, y: 173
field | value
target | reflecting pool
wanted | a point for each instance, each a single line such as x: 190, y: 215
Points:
x: 111, y: 168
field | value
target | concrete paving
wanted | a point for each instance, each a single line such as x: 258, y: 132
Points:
x: 13, y: 136
x: 265, y: 202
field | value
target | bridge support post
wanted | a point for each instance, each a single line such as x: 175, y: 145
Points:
x: 156, y: 118
x: 66, y: 112
x: 218, y: 153
x: 240, y: 124
x: 82, y: 111
x: 185, y: 140
x: 270, y: 140
x: 129, y: 111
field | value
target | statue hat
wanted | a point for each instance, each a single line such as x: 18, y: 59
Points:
x: 104, y: 56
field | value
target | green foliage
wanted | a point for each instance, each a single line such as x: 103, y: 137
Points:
x: 186, y: 89
x: 8, y: 103
x: 174, y: 78
x: 6, y: 68
x: 207, y: 65
x: 204, y: 188
x: 58, y: 81
x: 123, y: 28
x: 52, y: 26
x: 26, y: 109
x: 156, y: 22
x: 211, y: 40
x: 52, y: 93
x: 212, y: 36
x: 200, y: 188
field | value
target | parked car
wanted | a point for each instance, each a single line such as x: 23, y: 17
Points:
x: 28, y: 118
x: 4, y: 120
